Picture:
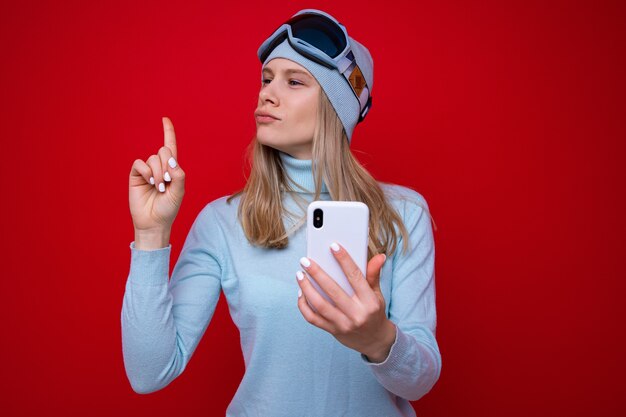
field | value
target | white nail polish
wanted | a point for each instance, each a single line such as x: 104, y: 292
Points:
x: 162, y: 187
x: 167, y: 176
x: 172, y: 162
x: 152, y: 180
x: 334, y: 247
x: 299, y: 293
x: 300, y: 275
x: 305, y: 262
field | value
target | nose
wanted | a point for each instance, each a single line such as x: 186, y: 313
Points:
x: 268, y: 94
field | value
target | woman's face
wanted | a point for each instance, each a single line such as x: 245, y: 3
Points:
x: 289, y: 95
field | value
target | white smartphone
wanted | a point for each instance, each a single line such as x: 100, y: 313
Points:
x: 344, y: 222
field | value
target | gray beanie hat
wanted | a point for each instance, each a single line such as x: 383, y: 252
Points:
x: 334, y: 84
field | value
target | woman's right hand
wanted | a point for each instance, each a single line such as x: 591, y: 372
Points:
x: 153, y: 210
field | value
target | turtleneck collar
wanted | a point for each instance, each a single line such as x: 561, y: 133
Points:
x: 300, y: 171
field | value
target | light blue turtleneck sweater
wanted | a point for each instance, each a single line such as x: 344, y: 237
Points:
x: 293, y: 368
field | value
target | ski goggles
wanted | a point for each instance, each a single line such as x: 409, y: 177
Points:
x: 321, y: 38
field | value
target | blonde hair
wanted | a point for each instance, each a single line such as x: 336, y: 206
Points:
x: 261, y: 211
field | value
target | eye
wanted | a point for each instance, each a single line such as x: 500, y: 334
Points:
x: 266, y: 81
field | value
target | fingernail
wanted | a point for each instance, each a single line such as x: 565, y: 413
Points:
x: 162, y: 187
x: 167, y: 176
x: 304, y: 261
x: 300, y: 275
x: 385, y: 258
x: 299, y: 292
x: 334, y: 247
x: 152, y: 180
x: 172, y: 162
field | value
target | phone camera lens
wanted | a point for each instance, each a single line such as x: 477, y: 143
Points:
x: 318, y: 218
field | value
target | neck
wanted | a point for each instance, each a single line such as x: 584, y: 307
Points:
x: 301, y: 172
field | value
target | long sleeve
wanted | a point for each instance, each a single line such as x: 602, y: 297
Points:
x: 413, y: 365
x: 163, y: 322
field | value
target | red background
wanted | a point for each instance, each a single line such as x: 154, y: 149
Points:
x: 507, y: 116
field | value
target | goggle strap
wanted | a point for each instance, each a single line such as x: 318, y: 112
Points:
x: 364, y: 96
x: 364, y: 93
x: 365, y: 110
x: 345, y: 62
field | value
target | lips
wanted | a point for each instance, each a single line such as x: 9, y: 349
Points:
x: 264, y: 115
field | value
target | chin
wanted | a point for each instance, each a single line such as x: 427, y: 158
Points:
x: 266, y: 138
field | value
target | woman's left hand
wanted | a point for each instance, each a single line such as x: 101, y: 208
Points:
x: 359, y: 322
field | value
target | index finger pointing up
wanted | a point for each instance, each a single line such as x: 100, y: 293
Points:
x: 170, y: 136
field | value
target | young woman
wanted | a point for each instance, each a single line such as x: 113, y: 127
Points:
x: 366, y: 355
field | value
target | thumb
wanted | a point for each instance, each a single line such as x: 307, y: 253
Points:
x: 374, y: 267
x: 177, y: 185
